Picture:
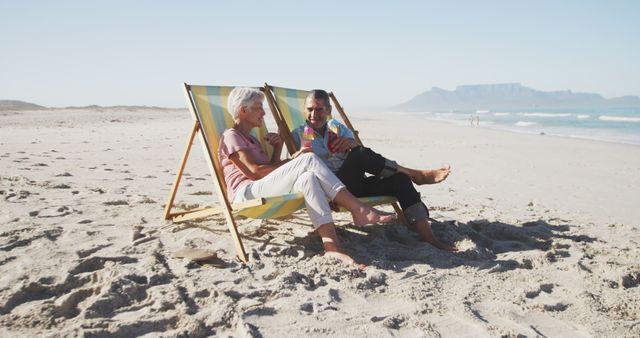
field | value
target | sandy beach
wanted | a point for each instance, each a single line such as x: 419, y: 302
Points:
x: 547, y: 229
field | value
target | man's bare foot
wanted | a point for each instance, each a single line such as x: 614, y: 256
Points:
x: 344, y: 258
x: 367, y: 215
x: 430, y: 176
x: 443, y: 246
x: 423, y: 228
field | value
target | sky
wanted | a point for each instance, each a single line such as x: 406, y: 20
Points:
x: 371, y: 54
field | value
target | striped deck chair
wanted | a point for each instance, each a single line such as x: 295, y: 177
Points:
x: 208, y: 106
x: 287, y: 106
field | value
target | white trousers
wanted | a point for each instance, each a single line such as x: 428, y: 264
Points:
x: 306, y: 174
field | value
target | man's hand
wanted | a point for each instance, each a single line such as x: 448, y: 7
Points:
x: 342, y: 144
x: 273, y: 139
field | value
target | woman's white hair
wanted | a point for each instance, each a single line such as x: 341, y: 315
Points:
x: 242, y: 97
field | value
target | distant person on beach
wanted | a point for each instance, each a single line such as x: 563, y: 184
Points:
x: 334, y: 143
x: 249, y: 173
x: 478, y: 121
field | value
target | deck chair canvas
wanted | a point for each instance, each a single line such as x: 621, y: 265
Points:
x: 287, y: 106
x: 208, y: 107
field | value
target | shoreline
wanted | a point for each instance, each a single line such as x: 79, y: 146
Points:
x: 560, y: 131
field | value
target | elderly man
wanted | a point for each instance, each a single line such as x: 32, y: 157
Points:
x: 350, y: 161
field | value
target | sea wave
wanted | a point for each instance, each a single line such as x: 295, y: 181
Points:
x: 524, y: 124
x: 583, y: 116
x: 619, y: 118
x: 547, y: 114
x: 501, y: 114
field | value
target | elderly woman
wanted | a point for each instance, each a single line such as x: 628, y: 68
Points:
x: 249, y: 173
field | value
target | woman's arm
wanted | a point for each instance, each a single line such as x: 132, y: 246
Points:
x: 244, y: 161
x: 254, y: 171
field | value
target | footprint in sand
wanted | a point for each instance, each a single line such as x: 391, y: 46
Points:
x: 20, y: 240
x: 201, y: 193
x: 7, y: 260
x: 558, y: 307
x: 14, y: 196
x: 53, y: 211
x: 146, y: 200
x: 546, y: 288
x: 116, y: 203
x: 76, y: 294
x: 630, y: 279
x: 97, y: 263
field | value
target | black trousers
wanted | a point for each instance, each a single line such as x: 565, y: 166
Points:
x: 363, y: 160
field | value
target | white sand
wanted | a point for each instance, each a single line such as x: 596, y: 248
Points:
x: 547, y: 228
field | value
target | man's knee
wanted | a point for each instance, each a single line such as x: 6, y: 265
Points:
x: 402, y: 188
x: 379, y: 165
x: 401, y: 181
x: 416, y: 212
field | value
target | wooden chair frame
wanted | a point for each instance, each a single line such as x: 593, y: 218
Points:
x: 224, y: 207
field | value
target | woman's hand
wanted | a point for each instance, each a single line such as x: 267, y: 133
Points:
x: 300, y: 152
x: 274, y: 140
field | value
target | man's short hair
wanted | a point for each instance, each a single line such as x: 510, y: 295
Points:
x: 319, y: 94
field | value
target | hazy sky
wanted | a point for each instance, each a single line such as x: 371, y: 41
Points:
x: 370, y: 53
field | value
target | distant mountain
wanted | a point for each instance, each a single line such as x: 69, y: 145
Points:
x: 132, y: 108
x: 19, y: 105
x: 508, y: 96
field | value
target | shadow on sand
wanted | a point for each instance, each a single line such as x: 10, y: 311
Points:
x: 482, y: 244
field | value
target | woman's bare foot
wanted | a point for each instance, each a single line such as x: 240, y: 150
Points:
x: 344, y: 258
x: 430, y: 176
x: 367, y: 215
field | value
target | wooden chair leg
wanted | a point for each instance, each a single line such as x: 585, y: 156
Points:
x: 400, y: 213
x: 176, y: 182
x: 233, y: 229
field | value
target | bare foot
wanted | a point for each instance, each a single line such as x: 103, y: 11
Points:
x: 367, y: 215
x: 430, y: 176
x: 344, y: 258
x: 423, y: 228
x: 444, y: 247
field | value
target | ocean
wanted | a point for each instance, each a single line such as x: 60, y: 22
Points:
x: 619, y: 125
